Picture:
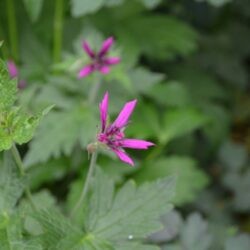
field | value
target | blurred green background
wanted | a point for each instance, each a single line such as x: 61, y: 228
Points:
x: 186, y: 61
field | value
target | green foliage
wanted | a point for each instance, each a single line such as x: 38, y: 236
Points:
x: 69, y: 128
x: 11, y: 184
x: 8, y: 88
x: 33, y: 8
x: 190, y: 179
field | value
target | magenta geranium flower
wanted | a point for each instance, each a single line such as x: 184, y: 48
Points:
x: 112, y: 135
x: 99, y: 60
x: 13, y: 71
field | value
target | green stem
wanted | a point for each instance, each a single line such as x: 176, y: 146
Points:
x: 20, y: 166
x: 4, y: 49
x: 94, y: 89
x: 58, y: 30
x: 87, y: 183
x: 12, y: 28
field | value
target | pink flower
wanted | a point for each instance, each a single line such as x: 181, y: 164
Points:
x: 99, y: 61
x: 113, y: 135
x: 13, y: 71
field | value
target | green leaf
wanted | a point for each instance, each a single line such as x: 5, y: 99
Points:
x: 172, y: 94
x: 143, y: 80
x: 239, y: 242
x: 55, y: 227
x: 18, y: 127
x: 178, y: 122
x: 239, y: 183
x: 194, y: 235
x: 190, y: 179
x: 8, y: 89
x: 57, y: 125
x: 83, y: 7
x: 134, y: 211
x: 11, y: 185
x: 33, y: 8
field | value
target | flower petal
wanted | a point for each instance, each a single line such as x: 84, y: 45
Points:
x: 88, y: 49
x: 124, y: 115
x: 13, y: 71
x: 104, y: 110
x: 136, y: 144
x: 106, y: 46
x: 123, y: 156
x: 86, y: 71
x: 112, y: 60
x: 104, y: 70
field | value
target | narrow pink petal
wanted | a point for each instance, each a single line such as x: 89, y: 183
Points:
x: 106, y: 46
x: 123, y: 157
x: 136, y: 144
x: 104, y: 69
x: 112, y: 60
x: 124, y: 115
x: 13, y: 71
x: 88, y: 49
x: 86, y: 71
x: 104, y: 110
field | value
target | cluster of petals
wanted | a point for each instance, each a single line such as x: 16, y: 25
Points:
x: 13, y: 71
x: 100, y: 61
x: 112, y: 135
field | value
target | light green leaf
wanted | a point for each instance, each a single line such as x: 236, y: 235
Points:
x: 8, y: 89
x: 11, y: 185
x: 171, y: 93
x: 143, y: 80
x: 178, y: 122
x: 194, y: 235
x: 18, y: 127
x: 33, y: 8
x: 240, y: 242
x: 83, y: 7
x: 190, y: 179
x: 68, y: 128
x: 135, y: 211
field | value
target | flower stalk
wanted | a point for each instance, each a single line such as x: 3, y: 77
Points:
x: 20, y: 166
x: 58, y: 30
x: 87, y: 183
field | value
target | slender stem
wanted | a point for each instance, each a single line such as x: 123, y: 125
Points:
x: 94, y: 89
x: 4, y: 49
x: 58, y: 30
x: 87, y: 183
x: 12, y: 28
x: 19, y: 164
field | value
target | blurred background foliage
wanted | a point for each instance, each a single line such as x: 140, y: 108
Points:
x: 186, y: 61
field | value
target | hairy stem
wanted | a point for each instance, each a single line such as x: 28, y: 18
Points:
x: 20, y: 166
x: 87, y: 183
x: 58, y: 30
x: 12, y: 28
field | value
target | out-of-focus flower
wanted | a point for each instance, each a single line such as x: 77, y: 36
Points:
x: 13, y: 71
x: 99, y: 60
x: 113, y: 135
